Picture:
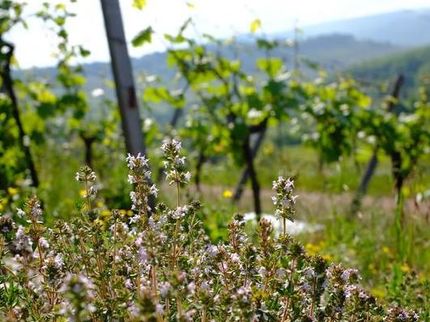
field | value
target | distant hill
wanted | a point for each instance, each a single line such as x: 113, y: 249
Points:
x: 334, y: 52
x: 338, y: 51
x: 407, y: 28
x: 413, y: 64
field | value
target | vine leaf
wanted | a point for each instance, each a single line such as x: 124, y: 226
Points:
x: 142, y: 37
x: 255, y: 25
x: 139, y: 4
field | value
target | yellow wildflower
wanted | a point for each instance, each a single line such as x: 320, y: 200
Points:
x: 105, y: 213
x: 405, y: 268
x: 422, y: 277
x: 378, y: 292
x: 372, y: 268
x: 12, y: 191
x: 100, y: 223
x: 327, y: 257
x: 227, y: 194
x: 387, y: 250
x: 83, y: 193
x: 312, y: 249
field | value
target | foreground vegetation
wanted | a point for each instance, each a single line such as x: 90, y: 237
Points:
x: 158, y: 264
x: 169, y: 257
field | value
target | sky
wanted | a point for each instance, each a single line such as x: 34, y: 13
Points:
x: 221, y: 18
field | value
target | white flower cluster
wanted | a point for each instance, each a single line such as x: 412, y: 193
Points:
x: 36, y: 210
x: 23, y: 243
x: 179, y: 212
x: 174, y: 163
x: 85, y: 174
x: 140, y: 176
x: 88, y: 176
x: 284, y: 200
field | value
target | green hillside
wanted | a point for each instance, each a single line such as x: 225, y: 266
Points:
x: 413, y: 64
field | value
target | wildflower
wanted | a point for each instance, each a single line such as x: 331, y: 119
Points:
x: 34, y: 209
x: 43, y: 243
x: 189, y: 315
x: 88, y: 177
x: 281, y: 273
x: 143, y: 256
x: 171, y: 146
x: 227, y: 194
x: 284, y: 200
x: 243, y: 293
x: 350, y: 275
x: 58, y: 261
x: 164, y: 288
x: 53, y: 264
x: 85, y: 174
x: 12, y: 191
x: 140, y: 176
x: 23, y: 243
x: 128, y: 284
x: 191, y: 287
x: 212, y: 250
x: 350, y: 290
x: 235, y: 258
x: 405, y: 268
x: 398, y: 314
x: 174, y: 163
x: 262, y: 271
x: 180, y: 212
x: 6, y: 224
x: 20, y: 213
x: 159, y: 309
x: 363, y: 295
x: 309, y: 273
x: 78, y: 284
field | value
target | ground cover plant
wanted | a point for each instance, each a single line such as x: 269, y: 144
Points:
x: 158, y: 263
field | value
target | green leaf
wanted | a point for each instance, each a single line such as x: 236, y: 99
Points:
x: 156, y: 94
x: 46, y: 96
x: 272, y: 66
x: 84, y: 52
x: 139, y: 4
x: 267, y: 44
x: 175, y: 39
x: 60, y: 21
x: 255, y: 25
x: 60, y: 6
x: 190, y: 5
x: 142, y: 37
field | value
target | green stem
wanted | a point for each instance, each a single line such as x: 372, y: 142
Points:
x: 177, y: 194
x: 284, y: 220
x: 399, y: 224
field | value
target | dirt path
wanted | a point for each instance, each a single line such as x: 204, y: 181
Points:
x: 315, y: 204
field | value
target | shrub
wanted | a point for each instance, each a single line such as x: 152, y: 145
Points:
x: 158, y: 264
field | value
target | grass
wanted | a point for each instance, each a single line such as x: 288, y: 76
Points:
x: 302, y: 163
